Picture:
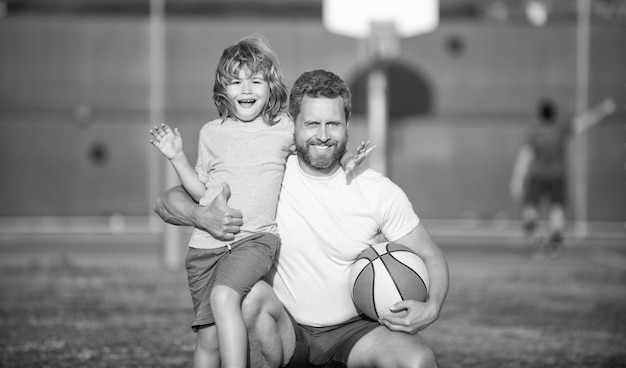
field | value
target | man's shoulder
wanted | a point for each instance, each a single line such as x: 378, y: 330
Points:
x: 369, y: 175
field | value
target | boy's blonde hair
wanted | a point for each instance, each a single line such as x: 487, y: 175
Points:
x: 254, y: 53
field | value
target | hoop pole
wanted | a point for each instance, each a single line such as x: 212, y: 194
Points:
x: 383, y: 45
x: 377, y: 117
x: 156, y: 102
x: 581, y: 142
x: 159, y: 171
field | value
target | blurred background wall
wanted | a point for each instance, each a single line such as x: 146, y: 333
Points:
x: 75, y: 84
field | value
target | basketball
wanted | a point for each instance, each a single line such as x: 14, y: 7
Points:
x: 385, y: 274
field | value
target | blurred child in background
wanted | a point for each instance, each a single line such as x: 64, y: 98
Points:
x: 540, y: 171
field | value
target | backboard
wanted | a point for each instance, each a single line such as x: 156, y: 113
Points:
x: 354, y: 18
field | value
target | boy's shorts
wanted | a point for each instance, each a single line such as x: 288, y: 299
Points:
x: 330, y: 346
x: 239, y: 268
x: 539, y: 188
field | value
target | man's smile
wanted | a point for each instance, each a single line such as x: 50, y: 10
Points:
x: 321, y: 147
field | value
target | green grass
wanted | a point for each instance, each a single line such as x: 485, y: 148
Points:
x: 503, y: 310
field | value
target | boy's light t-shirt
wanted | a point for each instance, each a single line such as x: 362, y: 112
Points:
x: 251, y: 158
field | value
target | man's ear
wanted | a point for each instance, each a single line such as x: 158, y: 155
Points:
x: 292, y: 126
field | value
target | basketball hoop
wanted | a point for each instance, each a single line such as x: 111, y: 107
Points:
x: 383, y: 41
x: 382, y: 23
x: 354, y: 18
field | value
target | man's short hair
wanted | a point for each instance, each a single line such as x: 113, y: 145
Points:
x: 319, y: 83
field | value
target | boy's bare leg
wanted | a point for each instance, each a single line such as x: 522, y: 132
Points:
x: 231, y: 329
x: 206, y: 353
x: 530, y: 223
x: 557, y: 227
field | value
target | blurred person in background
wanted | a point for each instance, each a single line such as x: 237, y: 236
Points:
x: 540, y: 171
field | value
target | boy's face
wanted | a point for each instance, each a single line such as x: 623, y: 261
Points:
x: 250, y: 93
x: 321, y: 134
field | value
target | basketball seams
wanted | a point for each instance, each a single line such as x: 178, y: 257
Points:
x: 384, y: 259
x: 358, y: 281
x: 369, y: 264
x: 372, y: 295
x: 410, y: 269
x: 373, y: 289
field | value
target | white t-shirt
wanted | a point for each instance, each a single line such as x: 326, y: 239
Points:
x: 324, y: 225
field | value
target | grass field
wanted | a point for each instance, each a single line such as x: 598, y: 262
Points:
x: 503, y: 310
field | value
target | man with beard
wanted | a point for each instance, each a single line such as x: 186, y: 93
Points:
x: 306, y: 318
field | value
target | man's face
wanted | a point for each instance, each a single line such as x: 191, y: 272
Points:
x: 321, y: 133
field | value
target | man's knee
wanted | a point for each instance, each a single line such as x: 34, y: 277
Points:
x: 420, y: 358
x: 384, y: 348
x: 271, y: 336
x: 425, y: 359
x: 256, y: 302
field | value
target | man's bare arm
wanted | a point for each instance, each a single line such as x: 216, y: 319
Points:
x: 176, y: 207
x: 412, y: 315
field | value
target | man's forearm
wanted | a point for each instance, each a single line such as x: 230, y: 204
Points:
x: 422, y: 243
x: 176, y: 207
x: 438, y: 272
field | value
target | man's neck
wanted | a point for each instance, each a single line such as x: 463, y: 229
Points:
x: 314, y: 171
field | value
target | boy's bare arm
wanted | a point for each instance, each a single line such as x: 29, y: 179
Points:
x: 590, y: 118
x: 170, y: 144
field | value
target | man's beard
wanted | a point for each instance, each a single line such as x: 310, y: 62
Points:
x: 318, y: 160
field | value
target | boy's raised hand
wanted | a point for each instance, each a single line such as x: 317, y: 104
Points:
x: 362, y: 151
x: 168, y: 141
x: 360, y: 154
x: 608, y: 106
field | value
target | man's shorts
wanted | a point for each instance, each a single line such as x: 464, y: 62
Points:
x: 327, y: 347
x: 239, y: 267
x: 549, y: 188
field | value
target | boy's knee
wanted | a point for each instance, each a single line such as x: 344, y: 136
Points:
x: 223, y: 297
x: 206, y: 340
